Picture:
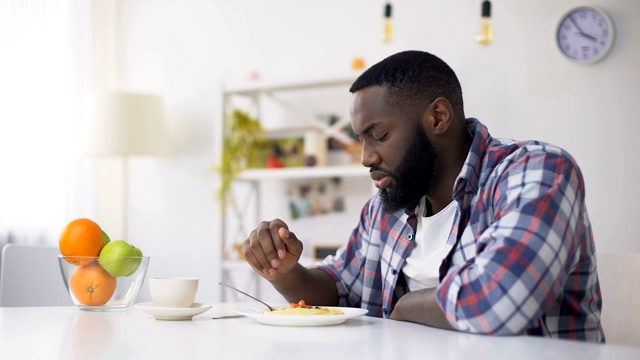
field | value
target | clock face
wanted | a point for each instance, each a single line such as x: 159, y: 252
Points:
x: 585, y: 34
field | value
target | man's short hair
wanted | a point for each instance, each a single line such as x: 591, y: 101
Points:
x: 413, y: 79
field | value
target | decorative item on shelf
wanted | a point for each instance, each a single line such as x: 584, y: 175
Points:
x: 315, y: 148
x: 387, y: 33
x: 244, y: 133
x: 355, y: 151
x: 277, y: 152
x: 315, y: 197
x: 485, y: 31
x: 274, y: 160
x: 343, y: 145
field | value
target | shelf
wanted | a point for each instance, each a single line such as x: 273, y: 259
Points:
x: 303, y: 173
x: 298, y: 103
x: 264, y: 87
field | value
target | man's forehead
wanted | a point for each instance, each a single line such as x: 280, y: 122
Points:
x: 371, y: 92
x: 371, y: 97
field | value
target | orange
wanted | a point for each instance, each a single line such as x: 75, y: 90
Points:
x: 92, y: 285
x: 81, y: 237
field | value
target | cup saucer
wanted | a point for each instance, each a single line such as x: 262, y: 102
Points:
x: 173, y: 313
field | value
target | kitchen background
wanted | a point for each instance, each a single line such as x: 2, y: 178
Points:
x: 520, y: 87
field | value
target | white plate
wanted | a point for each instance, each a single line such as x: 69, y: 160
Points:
x: 171, y: 313
x: 303, y: 320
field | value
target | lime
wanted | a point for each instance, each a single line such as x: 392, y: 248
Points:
x: 119, y: 258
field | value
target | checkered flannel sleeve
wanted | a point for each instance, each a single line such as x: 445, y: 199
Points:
x: 527, y: 253
x: 347, y: 266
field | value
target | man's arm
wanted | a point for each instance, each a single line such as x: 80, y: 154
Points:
x: 273, y: 252
x: 526, y: 253
x: 421, y: 307
x: 313, y: 286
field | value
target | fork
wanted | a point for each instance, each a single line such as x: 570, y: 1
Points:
x: 244, y: 293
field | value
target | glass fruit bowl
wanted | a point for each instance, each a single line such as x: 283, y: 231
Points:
x: 103, y: 283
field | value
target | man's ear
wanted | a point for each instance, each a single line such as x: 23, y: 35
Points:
x: 440, y: 114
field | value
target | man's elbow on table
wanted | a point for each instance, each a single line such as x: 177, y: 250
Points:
x: 480, y: 313
x: 492, y: 326
x: 422, y: 307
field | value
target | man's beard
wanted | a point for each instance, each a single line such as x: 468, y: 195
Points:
x: 414, y: 177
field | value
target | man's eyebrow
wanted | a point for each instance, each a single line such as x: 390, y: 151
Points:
x: 370, y: 127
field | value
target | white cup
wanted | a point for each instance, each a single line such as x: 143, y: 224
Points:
x: 173, y: 292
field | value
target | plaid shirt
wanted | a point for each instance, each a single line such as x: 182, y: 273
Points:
x: 521, y: 252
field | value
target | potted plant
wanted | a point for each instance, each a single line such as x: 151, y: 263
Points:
x: 243, y: 133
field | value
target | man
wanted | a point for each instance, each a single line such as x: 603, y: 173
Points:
x: 467, y: 232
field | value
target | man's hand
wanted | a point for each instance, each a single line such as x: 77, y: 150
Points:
x: 421, y: 307
x: 272, y: 250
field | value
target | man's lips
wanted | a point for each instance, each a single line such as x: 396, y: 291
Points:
x: 382, y: 180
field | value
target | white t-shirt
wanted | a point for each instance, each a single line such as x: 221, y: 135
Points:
x: 421, y: 269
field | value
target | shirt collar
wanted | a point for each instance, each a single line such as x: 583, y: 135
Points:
x: 467, y: 181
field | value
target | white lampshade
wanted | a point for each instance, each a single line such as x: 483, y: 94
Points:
x: 127, y: 124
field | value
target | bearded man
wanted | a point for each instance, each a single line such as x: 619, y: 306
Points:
x: 467, y: 232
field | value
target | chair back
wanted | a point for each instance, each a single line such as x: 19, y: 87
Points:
x: 618, y: 274
x: 30, y: 276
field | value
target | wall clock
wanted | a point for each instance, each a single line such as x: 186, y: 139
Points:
x: 585, y: 34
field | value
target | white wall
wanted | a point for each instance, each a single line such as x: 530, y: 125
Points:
x: 521, y: 87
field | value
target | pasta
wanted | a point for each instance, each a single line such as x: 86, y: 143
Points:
x: 301, y: 308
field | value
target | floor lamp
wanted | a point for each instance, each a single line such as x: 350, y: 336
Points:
x: 124, y: 125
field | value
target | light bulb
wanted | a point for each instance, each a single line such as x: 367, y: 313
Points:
x: 387, y: 34
x: 485, y: 32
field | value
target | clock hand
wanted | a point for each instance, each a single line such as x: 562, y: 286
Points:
x: 590, y: 37
x: 575, y: 23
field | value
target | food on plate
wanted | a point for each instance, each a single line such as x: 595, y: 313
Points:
x: 81, y: 237
x: 119, y: 258
x: 301, y: 308
x: 92, y: 285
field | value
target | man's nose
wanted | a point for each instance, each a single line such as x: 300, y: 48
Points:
x: 369, y: 156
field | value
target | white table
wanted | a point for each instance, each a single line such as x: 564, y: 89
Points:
x: 69, y: 333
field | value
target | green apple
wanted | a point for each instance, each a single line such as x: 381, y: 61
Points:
x: 119, y: 258
x: 105, y: 238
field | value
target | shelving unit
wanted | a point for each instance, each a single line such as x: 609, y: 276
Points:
x: 246, y: 211
x: 258, y: 88
x: 302, y: 173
